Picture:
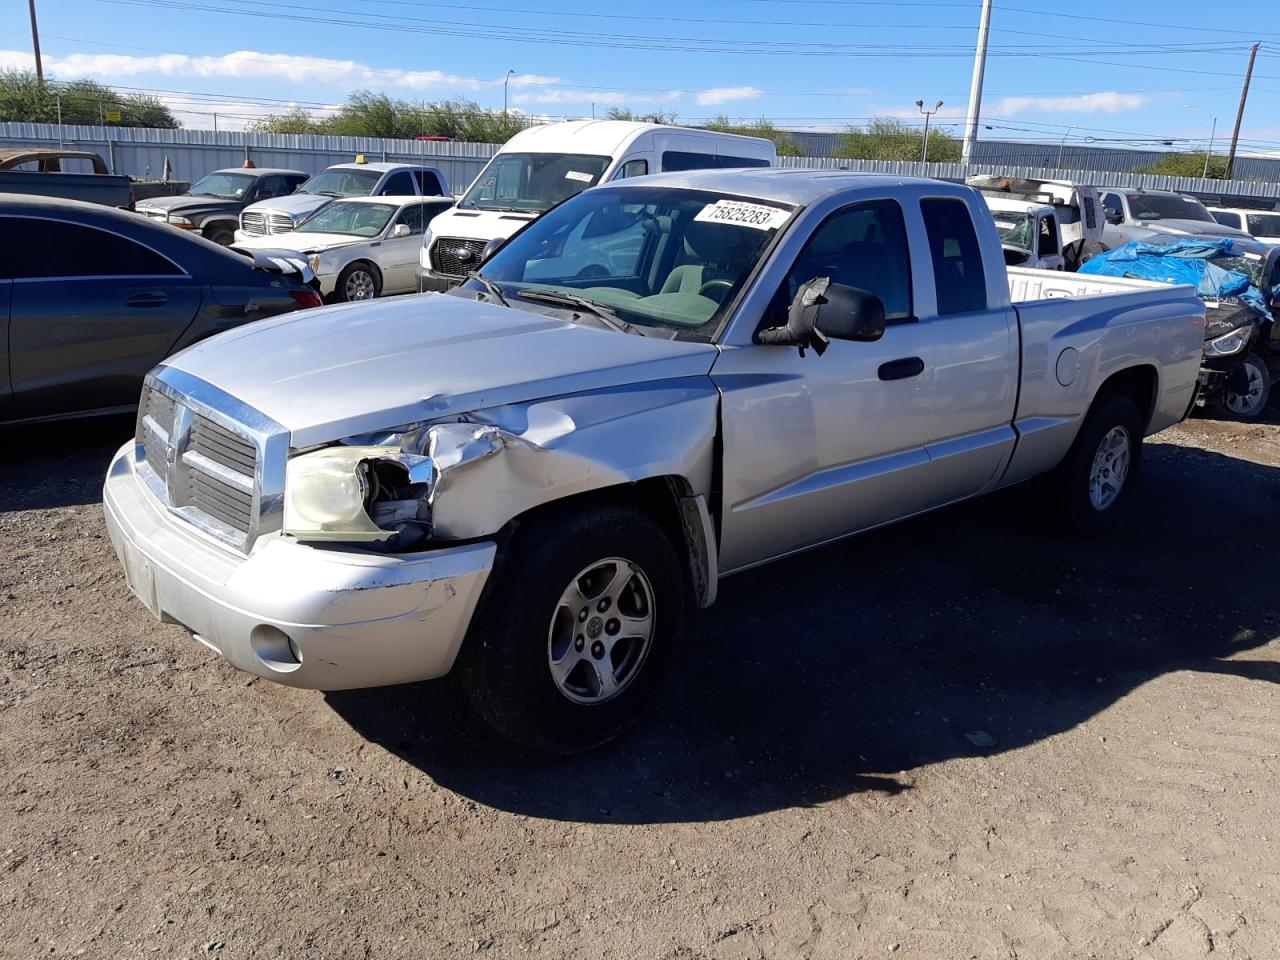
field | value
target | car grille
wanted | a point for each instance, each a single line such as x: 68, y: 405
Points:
x: 253, y: 223
x: 206, y: 470
x: 456, y: 257
x: 279, y: 223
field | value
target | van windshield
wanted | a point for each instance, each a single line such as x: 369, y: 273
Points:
x: 533, y: 182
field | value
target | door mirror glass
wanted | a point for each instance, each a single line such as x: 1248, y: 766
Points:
x: 401, y: 230
x: 823, y: 311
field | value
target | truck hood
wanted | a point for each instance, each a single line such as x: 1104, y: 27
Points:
x: 302, y: 242
x: 187, y: 205
x: 1192, y: 228
x: 295, y: 204
x: 334, y: 372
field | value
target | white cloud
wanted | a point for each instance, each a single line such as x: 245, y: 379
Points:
x: 718, y: 95
x: 252, y: 64
x: 1105, y: 102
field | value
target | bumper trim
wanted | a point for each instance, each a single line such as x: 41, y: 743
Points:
x: 357, y: 619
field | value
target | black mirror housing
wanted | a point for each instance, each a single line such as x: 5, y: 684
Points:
x: 823, y: 311
x: 490, y: 248
x: 1115, y: 218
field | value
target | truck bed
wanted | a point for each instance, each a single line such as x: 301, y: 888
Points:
x: 1026, y: 284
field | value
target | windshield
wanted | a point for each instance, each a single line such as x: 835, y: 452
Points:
x: 1167, y: 206
x: 224, y: 186
x: 1264, y: 224
x: 533, y: 181
x: 1015, y: 229
x: 354, y: 219
x: 342, y: 183
x: 665, y: 260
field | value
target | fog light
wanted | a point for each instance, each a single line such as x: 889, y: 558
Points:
x: 275, y: 648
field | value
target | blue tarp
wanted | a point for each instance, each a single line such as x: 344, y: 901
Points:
x: 1182, y: 261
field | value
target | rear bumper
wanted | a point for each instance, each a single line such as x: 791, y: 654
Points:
x: 326, y: 619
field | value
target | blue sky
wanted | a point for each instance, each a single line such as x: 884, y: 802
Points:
x: 1113, y: 72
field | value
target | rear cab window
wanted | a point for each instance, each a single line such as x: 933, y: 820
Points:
x: 958, y: 272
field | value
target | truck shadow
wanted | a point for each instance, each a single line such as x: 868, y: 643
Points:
x: 59, y: 464
x: 967, y: 633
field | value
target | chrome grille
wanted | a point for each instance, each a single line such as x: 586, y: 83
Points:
x: 456, y: 257
x: 208, y: 467
x: 279, y: 223
x: 221, y: 467
x: 253, y: 222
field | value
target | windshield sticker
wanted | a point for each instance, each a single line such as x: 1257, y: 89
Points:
x: 754, y: 215
x: 579, y: 175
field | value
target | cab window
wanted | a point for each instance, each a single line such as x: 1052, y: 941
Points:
x: 398, y: 185
x: 1048, y: 237
x: 864, y: 246
x: 957, y: 259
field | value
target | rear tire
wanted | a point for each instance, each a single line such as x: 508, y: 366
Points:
x: 576, y: 631
x: 1091, y: 487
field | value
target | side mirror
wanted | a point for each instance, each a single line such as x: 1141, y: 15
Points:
x: 490, y: 248
x: 823, y: 311
x: 1115, y: 217
x: 401, y: 230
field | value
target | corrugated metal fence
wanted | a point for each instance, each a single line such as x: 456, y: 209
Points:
x: 193, y: 153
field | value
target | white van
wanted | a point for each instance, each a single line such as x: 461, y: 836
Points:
x: 1263, y: 225
x: 541, y: 166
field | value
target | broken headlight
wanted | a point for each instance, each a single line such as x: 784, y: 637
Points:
x: 368, y: 494
x: 1231, y: 343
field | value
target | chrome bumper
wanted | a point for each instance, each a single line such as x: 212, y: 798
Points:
x: 325, y: 619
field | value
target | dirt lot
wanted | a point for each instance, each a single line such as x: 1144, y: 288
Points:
x: 958, y: 738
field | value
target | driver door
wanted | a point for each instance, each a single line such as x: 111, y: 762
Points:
x: 817, y: 447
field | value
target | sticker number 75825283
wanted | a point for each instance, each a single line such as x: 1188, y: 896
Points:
x: 743, y: 214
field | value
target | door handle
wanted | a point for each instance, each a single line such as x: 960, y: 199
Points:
x: 902, y: 369
x: 152, y: 299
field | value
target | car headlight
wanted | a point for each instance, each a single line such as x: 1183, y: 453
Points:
x: 1230, y: 343
x: 369, y: 494
x: 314, y: 260
x: 178, y: 221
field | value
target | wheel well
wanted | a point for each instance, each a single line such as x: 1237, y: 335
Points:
x: 1139, y: 384
x: 662, y: 499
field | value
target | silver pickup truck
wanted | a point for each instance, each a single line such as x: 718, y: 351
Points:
x: 659, y: 383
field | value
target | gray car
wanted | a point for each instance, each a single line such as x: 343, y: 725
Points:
x: 1136, y: 214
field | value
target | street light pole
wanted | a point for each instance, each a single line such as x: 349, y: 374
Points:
x: 1213, y: 129
x: 924, y: 153
x: 505, y: 80
x: 1060, y: 145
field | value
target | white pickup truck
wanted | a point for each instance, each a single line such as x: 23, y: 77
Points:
x: 1044, y: 224
x: 661, y: 382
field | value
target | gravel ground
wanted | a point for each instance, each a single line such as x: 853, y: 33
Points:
x: 961, y: 737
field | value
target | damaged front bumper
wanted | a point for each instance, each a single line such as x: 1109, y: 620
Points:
x: 314, y: 617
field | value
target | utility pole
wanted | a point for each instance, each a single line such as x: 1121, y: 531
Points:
x: 975, y: 88
x: 35, y: 41
x: 1244, y: 95
x: 924, y: 154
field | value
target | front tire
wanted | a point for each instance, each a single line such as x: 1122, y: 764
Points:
x: 358, y: 281
x: 1090, y: 488
x: 1247, y: 399
x: 221, y: 236
x: 577, y: 629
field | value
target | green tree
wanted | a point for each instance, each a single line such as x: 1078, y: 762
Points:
x: 656, y: 116
x: 888, y: 138
x: 784, y: 141
x: 24, y: 98
x: 1187, y: 165
x: 368, y: 114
